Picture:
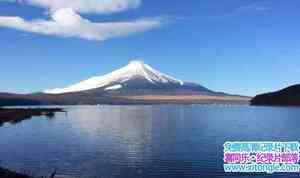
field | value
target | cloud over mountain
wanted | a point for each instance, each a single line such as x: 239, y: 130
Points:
x: 65, y: 20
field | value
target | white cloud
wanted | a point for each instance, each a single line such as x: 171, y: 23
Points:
x: 83, y: 6
x: 65, y: 20
x: 67, y: 23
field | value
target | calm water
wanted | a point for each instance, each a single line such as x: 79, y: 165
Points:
x: 141, y: 141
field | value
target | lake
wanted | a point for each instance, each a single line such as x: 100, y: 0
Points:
x: 164, y: 141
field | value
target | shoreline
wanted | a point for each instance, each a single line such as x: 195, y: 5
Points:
x: 5, y: 173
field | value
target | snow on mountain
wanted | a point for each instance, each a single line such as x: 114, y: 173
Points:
x: 114, y: 80
x: 114, y: 87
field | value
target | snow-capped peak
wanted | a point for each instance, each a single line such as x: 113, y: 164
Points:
x: 135, y: 69
x: 136, y: 62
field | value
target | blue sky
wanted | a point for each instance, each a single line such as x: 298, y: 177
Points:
x: 236, y: 46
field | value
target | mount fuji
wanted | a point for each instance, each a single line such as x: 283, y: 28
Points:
x: 134, y: 77
x: 135, y: 83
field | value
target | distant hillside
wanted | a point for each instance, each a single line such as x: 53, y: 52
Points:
x: 90, y: 98
x: 7, y: 99
x: 287, y: 97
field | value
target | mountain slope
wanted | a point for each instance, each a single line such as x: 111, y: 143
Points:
x: 289, y: 96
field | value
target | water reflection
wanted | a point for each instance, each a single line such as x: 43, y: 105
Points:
x: 17, y: 115
x: 127, y: 131
x: 141, y: 141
